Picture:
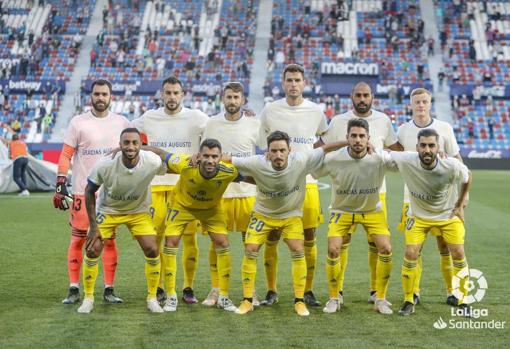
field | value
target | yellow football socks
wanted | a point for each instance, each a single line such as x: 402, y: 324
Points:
x: 213, y: 266
x: 298, y: 273
x: 446, y: 266
x: 90, y: 271
x: 344, y: 259
x: 419, y: 270
x: 152, y: 273
x: 224, y: 265
x: 170, y: 263
x: 333, y: 272
x: 372, y: 264
x: 189, y: 258
x: 311, y: 261
x: 458, y: 265
x: 249, y: 272
x: 271, y: 264
x: 408, y: 279
x: 383, y: 271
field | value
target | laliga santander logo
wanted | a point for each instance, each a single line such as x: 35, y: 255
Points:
x: 477, y: 284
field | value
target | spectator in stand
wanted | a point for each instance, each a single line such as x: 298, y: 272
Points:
x: 490, y: 126
x: 472, y: 51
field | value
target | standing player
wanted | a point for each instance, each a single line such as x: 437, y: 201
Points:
x: 382, y: 136
x: 89, y: 136
x: 197, y: 196
x: 177, y: 130
x: 238, y: 135
x: 434, y: 204
x: 356, y: 179
x: 281, y: 190
x: 421, y: 102
x: 303, y: 121
x: 124, y: 199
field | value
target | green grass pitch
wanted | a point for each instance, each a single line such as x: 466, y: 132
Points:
x: 33, y: 282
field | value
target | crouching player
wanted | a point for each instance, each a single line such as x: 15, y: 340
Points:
x: 123, y: 199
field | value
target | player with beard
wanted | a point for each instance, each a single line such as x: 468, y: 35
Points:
x: 303, y: 121
x: 434, y: 203
x: 238, y: 135
x: 421, y: 103
x: 177, y: 130
x: 382, y: 136
x: 89, y: 137
x: 123, y: 199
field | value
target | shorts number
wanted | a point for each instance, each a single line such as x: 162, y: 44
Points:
x: 333, y: 215
x: 171, y: 214
x: 77, y: 204
x: 409, y: 223
x: 100, y: 218
x: 256, y: 225
x: 152, y: 210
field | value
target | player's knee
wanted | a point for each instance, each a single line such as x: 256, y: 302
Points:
x: 151, y: 251
x: 457, y: 253
x: 412, y: 253
x: 442, y: 246
x: 333, y: 251
x: 384, y: 248
x: 93, y: 253
x: 347, y: 239
x: 221, y: 242
x: 309, y: 234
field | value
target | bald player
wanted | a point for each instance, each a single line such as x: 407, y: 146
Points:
x: 382, y: 136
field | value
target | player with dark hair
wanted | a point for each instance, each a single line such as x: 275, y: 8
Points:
x: 303, y: 121
x: 435, y: 203
x: 197, y: 197
x: 239, y: 136
x: 382, y: 136
x: 356, y: 177
x: 281, y: 188
x: 124, y: 199
x: 421, y: 104
x: 89, y: 137
x: 177, y: 130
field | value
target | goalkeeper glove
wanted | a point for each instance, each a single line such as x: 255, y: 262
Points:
x: 61, y: 193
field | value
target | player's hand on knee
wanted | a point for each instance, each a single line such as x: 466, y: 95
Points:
x: 92, y: 236
x: 61, y: 194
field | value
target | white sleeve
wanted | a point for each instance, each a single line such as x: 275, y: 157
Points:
x: 95, y: 175
x: 450, y: 145
x: 315, y: 159
x: 323, y: 126
x: 461, y: 171
x: 388, y: 162
x: 138, y: 123
x: 246, y: 166
x: 391, y: 137
x: 264, y: 129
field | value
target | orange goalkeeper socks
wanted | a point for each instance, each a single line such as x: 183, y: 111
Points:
x: 74, y: 259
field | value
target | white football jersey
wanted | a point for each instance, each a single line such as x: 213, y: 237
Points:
x: 380, y: 130
x: 238, y: 138
x: 355, y: 182
x: 408, y: 137
x: 432, y: 192
x: 125, y: 190
x: 180, y: 133
x: 303, y: 123
x: 280, y: 194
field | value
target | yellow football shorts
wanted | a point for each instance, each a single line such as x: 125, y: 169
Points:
x: 382, y: 197
x: 260, y: 226
x: 340, y: 224
x: 452, y: 230
x: 312, y: 213
x: 178, y: 218
x: 162, y: 196
x: 137, y: 223
x: 238, y: 212
x: 403, y: 219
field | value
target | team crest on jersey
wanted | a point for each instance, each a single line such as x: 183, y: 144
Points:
x: 201, y: 193
x: 218, y: 184
x: 176, y: 160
